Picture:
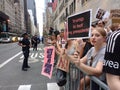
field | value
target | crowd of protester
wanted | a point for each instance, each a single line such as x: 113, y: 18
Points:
x: 98, y: 55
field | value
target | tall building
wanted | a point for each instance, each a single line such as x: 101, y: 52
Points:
x: 65, y: 8
x: 3, y: 17
x: 31, y: 5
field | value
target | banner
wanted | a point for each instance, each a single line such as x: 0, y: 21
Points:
x: 79, y: 25
x: 47, y: 67
x: 63, y: 64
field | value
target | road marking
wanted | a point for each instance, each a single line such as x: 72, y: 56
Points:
x: 36, y: 55
x: 10, y: 59
x: 52, y: 86
x: 32, y: 55
x: 21, y: 57
x: 39, y: 49
x: 24, y: 87
x: 30, y: 60
x: 41, y: 55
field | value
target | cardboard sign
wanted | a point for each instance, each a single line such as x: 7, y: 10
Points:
x: 63, y: 64
x: 115, y: 15
x: 79, y: 25
x: 47, y: 67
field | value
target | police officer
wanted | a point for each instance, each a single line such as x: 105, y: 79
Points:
x: 25, y: 44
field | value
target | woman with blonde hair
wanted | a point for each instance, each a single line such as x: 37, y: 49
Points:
x: 92, y: 62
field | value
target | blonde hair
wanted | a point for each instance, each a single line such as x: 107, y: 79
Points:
x: 101, y: 31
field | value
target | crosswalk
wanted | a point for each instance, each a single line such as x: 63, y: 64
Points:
x: 24, y: 87
x: 49, y: 86
x: 34, y: 56
x: 52, y: 86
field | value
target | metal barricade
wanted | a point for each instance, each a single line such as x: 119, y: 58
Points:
x: 73, y: 80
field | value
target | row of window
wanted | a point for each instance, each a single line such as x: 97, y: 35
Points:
x: 71, y: 8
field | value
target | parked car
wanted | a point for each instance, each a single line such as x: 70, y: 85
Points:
x: 4, y: 37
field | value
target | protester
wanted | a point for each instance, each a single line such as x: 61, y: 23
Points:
x: 25, y: 44
x: 63, y: 41
x: 112, y: 60
x: 51, y: 30
x: 101, y: 23
x: 92, y: 62
x: 57, y: 47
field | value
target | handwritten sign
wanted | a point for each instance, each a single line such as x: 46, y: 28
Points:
x: 63, y: 64
x: 79, y: 25
x: 115, y: 15
x: 48, y: 61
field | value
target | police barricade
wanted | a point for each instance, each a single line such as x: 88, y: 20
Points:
x: 73, y: 80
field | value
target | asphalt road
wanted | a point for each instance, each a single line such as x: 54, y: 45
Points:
x: 13, y: 78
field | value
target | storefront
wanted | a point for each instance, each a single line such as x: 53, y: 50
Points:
x: 4, y: 22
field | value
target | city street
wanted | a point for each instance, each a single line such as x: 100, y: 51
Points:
x: 11, y: 75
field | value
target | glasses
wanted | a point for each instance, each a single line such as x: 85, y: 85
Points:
x: 91, y: 60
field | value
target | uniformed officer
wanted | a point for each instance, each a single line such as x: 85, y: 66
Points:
x: 25, y: 44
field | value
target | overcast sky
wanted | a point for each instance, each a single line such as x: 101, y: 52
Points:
x: 40, y: 9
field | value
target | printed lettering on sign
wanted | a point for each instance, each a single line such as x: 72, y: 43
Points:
x: 79, y: 25
x: 48, y: 61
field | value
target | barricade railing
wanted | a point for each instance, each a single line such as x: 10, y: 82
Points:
x: 73, y: 80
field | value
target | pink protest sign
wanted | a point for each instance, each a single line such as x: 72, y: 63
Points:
x: 47, y: 67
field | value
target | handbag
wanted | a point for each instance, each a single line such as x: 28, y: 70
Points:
x: 61, y: 77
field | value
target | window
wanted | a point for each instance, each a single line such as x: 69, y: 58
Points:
x: 66, y: 11
x: 83, y: 1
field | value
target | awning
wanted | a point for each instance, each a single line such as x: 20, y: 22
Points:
x: 3, y: 16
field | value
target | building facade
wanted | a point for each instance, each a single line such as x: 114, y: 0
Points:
x: 31, y: 5
x: 65, y: 8
x: 4, y: 18
x: 12, y: 16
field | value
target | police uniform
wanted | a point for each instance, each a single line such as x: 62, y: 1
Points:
x: 112, y: 54
x: 26, y: 45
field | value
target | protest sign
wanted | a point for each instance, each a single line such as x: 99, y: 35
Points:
x: 100, y: 13
x: 79, y: 25
x: 63, y: 64
x: 115, y: 15
x: 47, y: 67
